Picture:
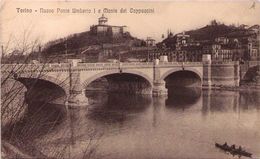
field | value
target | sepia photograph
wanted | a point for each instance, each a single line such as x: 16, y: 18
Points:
x: 130, y: 79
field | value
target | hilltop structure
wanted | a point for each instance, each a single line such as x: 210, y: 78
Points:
x: 102, y: 42
x: 103, y: 29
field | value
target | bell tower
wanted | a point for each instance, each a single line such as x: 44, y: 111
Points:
x: 102, y: 20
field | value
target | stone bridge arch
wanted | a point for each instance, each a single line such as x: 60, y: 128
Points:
x: 171, y: 71
x: 88, y: 80
x: 249, y: 74
x: 160, y: 85
x: 44, y: 88
x: 64, y: 84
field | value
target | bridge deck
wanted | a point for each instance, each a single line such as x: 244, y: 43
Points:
x: 89, y: 66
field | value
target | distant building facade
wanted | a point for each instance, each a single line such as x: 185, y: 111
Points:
x: 177, y: 55
x: 182, y: 39
x: 243, y: 45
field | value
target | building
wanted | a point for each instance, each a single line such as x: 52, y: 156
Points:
x: 219, y: 51
x: 103, y: 29
x: 150, y: 42
x: 239, y: 47
x: 213, y: 49
x: 191, y: 55
x: 182, y: 39
x: 222, y: 40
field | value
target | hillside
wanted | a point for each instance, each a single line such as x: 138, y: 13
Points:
x: 210, y: 32
x: 85, y: 41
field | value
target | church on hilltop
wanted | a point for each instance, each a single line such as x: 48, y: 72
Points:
x: 103, y: 29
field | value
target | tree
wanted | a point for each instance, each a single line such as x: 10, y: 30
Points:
x: 19, y: 133
x: 214, y: 22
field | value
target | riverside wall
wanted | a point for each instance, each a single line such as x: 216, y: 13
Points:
x: 225, y: 74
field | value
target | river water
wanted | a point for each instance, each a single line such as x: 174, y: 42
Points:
x: 186, y: 124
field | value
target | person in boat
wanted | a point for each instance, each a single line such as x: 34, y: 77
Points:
x: 225, y: 144
x: 233, y: 146
x: 239, y: 148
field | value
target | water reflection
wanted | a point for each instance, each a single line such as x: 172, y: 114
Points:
x: 39, y: 120
x: 248, y: 99
x: 156, y: 125
x: 225, y: 101
x: 182, y: 97
x: 118, y: 107
x: 134, y: 126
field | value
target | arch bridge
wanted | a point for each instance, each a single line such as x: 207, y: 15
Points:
x: 143, y: 78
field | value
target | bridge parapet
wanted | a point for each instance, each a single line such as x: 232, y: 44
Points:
x: 108, y: 66
x: 38, y: 68
x: 64, y: 66
x: 33, y: 67
x: 97, y: 64
x: 136, y: 65
x: 254, y: 63
x: 225, y: 63
x: 180, y: 63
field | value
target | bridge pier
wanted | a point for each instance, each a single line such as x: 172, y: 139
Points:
x: 159, y: 89
x: 237, y: 74
x: 77, y: 96
x: 206, y: 81
x: 77, y: 99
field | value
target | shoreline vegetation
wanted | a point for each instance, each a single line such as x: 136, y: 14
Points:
x: 12, y: 151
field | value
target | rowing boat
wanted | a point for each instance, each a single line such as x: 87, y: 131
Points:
x: 232, y: 150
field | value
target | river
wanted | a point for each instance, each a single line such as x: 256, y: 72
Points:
x: 186, y: 124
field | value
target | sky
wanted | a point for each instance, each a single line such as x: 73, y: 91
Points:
x: 178, y: 16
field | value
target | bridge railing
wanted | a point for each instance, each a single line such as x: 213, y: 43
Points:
x: 254, y: 63
x: 34, y: 67
x: 18, y: 67
x: 59, y: 65
x: 137, y: 64
x: 62, y: 66
x: 225, y: 62
x: 180, y: 63
x: 93, y: 65
x: 114, y: 64
x: 96, y: 64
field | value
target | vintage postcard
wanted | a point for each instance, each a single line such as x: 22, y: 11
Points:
x: 130, y: 79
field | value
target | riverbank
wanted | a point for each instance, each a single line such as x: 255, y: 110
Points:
x: 12, y: 150
x: 242, y: 87
x: 21, y: 138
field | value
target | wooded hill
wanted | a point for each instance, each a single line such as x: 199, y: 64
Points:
x: 85, y: 42
x: 210, y: 32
